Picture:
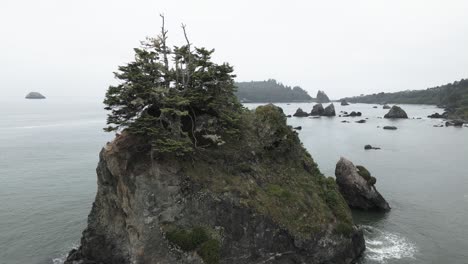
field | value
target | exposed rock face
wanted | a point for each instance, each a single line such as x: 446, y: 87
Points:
x: 344, y: 103
x: 322, y: 97
x: 34, y: 95
x: 396, y: 112
x: 329, y: 110
x: 317, y: 110
x: 300, y: 113
x: 357, y: 187
x: 257, y: 200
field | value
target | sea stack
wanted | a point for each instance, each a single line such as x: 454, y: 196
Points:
x: 317, y: 110
x: 396, y: 112
x: 322, y: 97
x: 358, y: 187
x: 35, y: 95
x: 258, y: 200
x: 329, y: 110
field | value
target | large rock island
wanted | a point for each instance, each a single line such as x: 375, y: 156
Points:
x: 260, y: 200
x: 35, y: 95
x: 196, y: 178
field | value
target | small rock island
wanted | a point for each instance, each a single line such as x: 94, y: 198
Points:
x: 35, y: 95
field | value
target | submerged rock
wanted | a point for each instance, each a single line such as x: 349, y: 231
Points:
x: 317, y: 110
x: 353, y: 114
x: 362, y: 121
x: 437, y: 115
x: 358, y: 187
x: 390, y: 127
x: 300, y: 113
x: 298, y: 128
x: 329, y: 110
x: 35, y: 95
x: 396, y: 112
x: 455, y: 123
x: 247, y: 201
x: 368, y: 147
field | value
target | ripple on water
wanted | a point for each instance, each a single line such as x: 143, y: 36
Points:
x: 382, y: 246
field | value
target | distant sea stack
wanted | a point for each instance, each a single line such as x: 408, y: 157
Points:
x: 35, y: 95
x: 322, y: 97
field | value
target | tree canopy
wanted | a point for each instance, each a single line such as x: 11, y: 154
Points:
x: 270, y: 91
x: 176, y: 97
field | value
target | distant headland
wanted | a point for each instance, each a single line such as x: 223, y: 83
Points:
x: 35, y: 95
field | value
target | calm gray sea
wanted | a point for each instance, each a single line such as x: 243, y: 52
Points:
x: 49, y: 151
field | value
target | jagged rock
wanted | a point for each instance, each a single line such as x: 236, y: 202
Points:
x: 362, y: 121
x: 344, y: 103
x: 386, y: 106
x: 455, y: 123
x: 358, y: 187
x: 329, y: 110
x: 367, y: 147
x: 396, y: 112
x: 230, y: 204
x: 322, y: 97
x: 35, y: 95
x: 317, y: 110
x: 390, y: 127
x: 300, y: 113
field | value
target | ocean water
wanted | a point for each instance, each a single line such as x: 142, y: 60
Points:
x: 49, y: 152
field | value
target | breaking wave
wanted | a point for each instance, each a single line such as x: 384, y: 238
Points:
x: 382, y: 246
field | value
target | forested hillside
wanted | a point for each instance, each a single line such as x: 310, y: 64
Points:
x: 270, y: 91
x: 453, y: 96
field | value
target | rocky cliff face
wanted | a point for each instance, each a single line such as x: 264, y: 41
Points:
x: 258, y: 198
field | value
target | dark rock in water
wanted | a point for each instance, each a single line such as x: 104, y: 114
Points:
x: 438, y: 126
x: 300, y: 113
x: 358, y: 187
x: 390, y: 127
x: 298, y: 128
x: 437, y: 115
x: 226, y: 206
x: 362, y: 121
x: 455, y: 123
x: 35, y: 95
x: 322, y: 97
x: 386, y: 106
x: 396, y: 112
x: 344, y: 103
x: 288, y: 116
x: 375, y: 107
x: 367, y: 147
x: 344, y: 121
x: 329, y: 110
x: 353, y: 114
x: 317, y: 110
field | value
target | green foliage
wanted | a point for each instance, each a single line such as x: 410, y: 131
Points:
x: 278, y: 191
x: 210, y: 251
x: 163, y: 92
x: 366, y: 175
x: 197, y: 239
x: 452, y: 96
x: 187, y: 240
x: 270, y: 91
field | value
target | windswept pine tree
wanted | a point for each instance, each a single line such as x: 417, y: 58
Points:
x: 176, y: 96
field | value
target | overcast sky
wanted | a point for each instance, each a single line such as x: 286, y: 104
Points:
x: 71, y: 47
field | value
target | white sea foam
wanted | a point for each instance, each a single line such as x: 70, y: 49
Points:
x: 382, y: 246
x: 61, y: 259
